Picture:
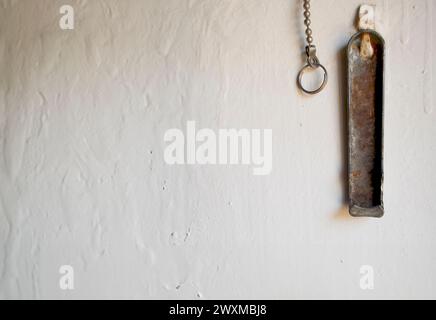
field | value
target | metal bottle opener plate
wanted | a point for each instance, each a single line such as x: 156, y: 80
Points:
x: 365, y: 123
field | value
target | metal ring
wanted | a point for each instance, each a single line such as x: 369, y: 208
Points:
x: 300, y: 78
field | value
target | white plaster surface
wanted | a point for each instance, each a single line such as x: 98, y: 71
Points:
x: 82, y: 177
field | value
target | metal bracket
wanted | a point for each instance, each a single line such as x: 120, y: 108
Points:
x: 366, y: 55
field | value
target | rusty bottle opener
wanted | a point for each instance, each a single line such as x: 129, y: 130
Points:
x: 365, y: 55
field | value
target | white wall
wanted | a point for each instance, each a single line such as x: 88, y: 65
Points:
x: 83, y: 181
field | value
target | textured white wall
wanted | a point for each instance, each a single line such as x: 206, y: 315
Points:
x: 82, y: 176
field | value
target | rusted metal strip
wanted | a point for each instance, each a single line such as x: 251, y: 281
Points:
x: 365, y: 124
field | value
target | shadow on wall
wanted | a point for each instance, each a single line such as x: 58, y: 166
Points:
x: 343, y: 128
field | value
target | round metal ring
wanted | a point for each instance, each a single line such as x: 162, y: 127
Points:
x: 300, y: 78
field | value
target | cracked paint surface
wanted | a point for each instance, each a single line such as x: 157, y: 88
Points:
x: 82, y: 177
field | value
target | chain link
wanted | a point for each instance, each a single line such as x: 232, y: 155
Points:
x: 312, y: 59
x: 307, y: 22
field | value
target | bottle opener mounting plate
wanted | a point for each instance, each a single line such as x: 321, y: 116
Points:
x: 365, y: 123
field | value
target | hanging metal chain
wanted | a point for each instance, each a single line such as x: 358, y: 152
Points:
x: 312, y: 59
x: 307, y: 22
